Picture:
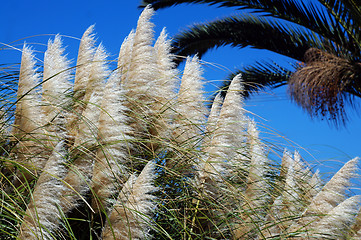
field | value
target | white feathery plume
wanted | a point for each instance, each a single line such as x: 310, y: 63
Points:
x: 191, y: 111
x: 165, y: 62
x: 303, y: 173
x: 28, y: 125
x: 88, y: 125
x: 27, y: 95
x: 229, y: 136
x: 99, y: 71
x: 167, y: 72
x: 300, y: 188
x: 306, y: 183
x: 332, y: 194
x: 225, y: 141
x: 214, y: 113
x: 29, y: 78
x: 56, y: 77
x: 141, y: 81
x: 337, y: 223
x: 114, y: 137
x: 303, y: 177
x: 80, y: 173
x: 86, y: 132
x: 189, y: 115
x: 231, y: 125
x: 82, y: 77
x: 314, y: 186
x: 291, y: 193
x: 85, y: 57
x: 125, y: 55
x: 96, y: 80
x: 131, y: 217
x: 288, y: 203
x: 42, y: 216
x: 286, y: 162
x: 56, y: 83
x: 213, y: 119
x: 166, y: 85
x: 257, y: 184
x: 140, y: 84
x: 255, y: 196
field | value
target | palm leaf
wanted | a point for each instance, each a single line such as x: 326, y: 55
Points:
x: 348, y: 16
x: 337, y: 21
x: 257, y: 32
x: 260, y: 76
x: 307, y: 15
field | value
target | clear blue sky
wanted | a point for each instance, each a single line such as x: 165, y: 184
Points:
x: 115, y: 19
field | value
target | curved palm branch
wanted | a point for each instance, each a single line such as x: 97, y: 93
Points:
x: 348, y: 14
x: 297, y: 12
x: 246, y: 31
x: 260, y: 76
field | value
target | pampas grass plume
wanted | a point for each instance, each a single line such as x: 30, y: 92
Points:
x: 190, y: 107
x: 42, y: 216
x: 114, y: 137
x: 131, y: 216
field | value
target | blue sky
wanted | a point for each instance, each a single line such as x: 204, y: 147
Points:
x: 113, y: 21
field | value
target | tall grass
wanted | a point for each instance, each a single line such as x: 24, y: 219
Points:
x: 125, y: 154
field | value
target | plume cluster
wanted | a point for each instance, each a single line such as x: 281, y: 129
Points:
x: 126, y: 154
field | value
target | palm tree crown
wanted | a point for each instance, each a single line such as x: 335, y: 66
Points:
x: 321, y: 36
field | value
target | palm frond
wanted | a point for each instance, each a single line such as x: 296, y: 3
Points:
x: 310, y: 16
x: 351, y: 7
x: 260, y: 76
x: 248, y: 30
x: 348, y: 15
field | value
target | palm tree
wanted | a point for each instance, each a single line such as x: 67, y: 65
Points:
x: 323, y: 37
